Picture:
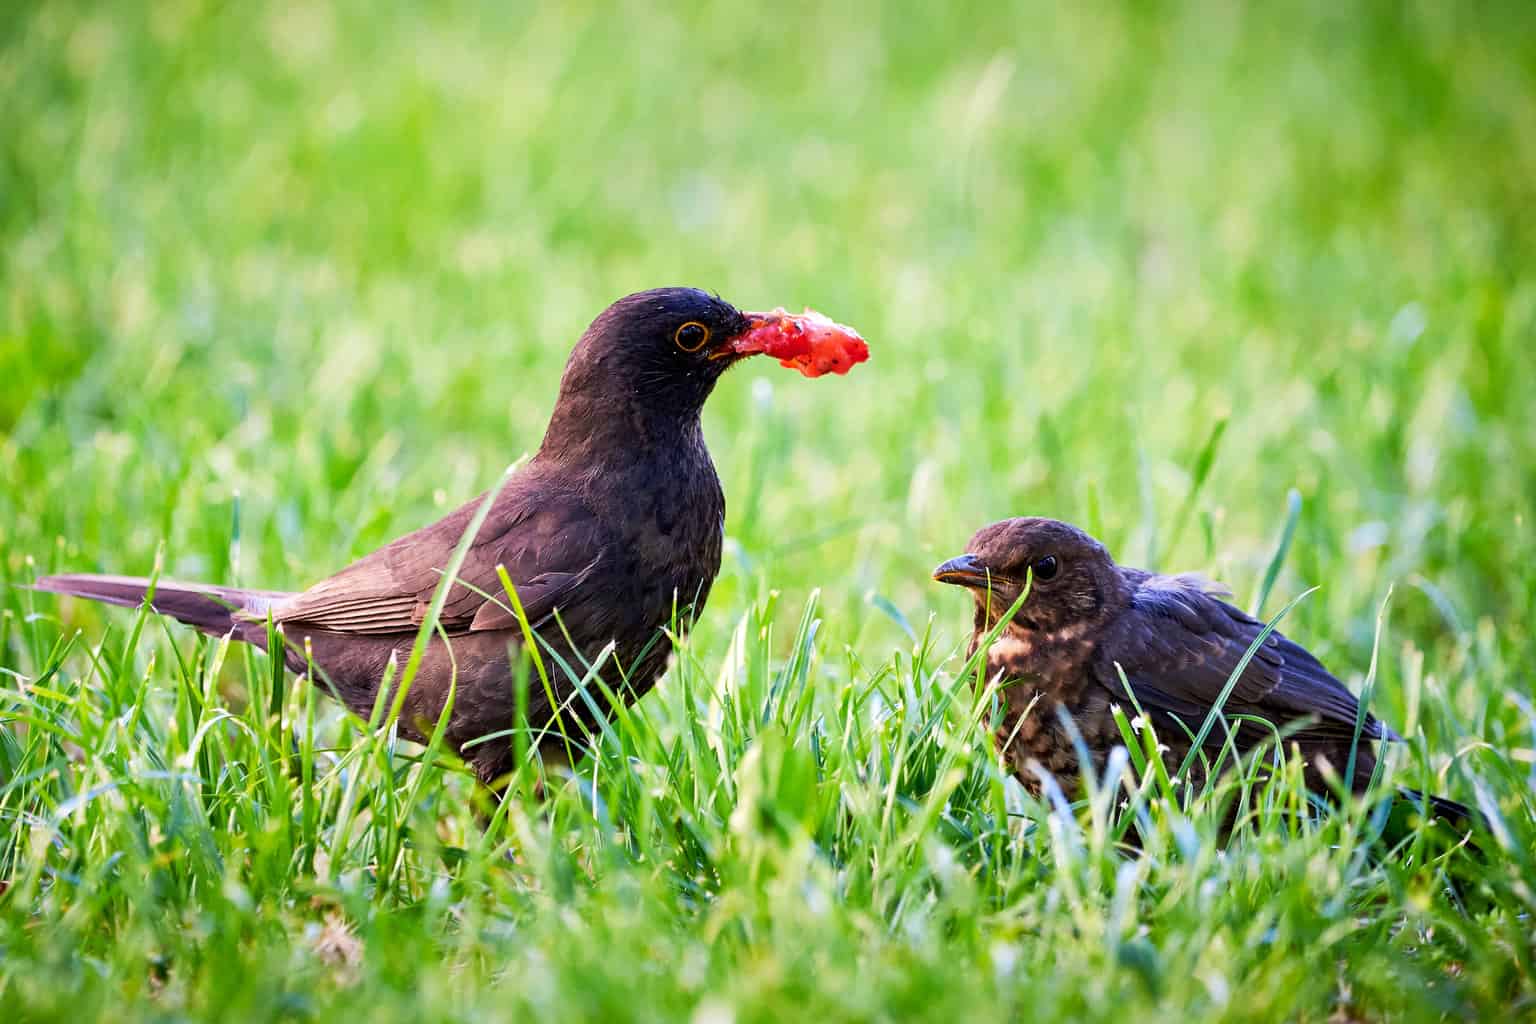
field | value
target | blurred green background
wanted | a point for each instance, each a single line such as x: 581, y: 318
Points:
x: 330, y: 258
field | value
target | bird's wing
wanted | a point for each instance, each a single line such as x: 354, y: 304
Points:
x: 1178, y: 645
x: 547, y: 542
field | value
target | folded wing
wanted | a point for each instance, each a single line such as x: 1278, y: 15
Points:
x: 547, y: 543
x: 1178, y: 645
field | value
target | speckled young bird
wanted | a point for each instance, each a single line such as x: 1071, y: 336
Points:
x: 610, y: 534
x: 1175, y: 639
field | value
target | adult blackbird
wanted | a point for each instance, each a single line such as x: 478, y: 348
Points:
x: 1086, y: 619
x: 611, y: 533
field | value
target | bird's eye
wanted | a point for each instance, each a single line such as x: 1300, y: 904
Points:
x: 1045, y: 568
x: 691, y: 337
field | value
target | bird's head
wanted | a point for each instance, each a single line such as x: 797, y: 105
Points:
x: 653, y: 358
x: 1071, y: 578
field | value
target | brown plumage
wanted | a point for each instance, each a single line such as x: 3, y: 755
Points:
x: 1177, y: 643
x: 610, y: 534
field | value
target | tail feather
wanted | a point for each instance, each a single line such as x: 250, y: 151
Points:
x: 208, y: 608
x: 1458, y: 816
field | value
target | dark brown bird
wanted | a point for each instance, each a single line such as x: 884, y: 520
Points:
x: 610, y: 533
x: 1177, y: 643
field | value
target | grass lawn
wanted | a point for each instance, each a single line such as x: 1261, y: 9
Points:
x: 282, y: 280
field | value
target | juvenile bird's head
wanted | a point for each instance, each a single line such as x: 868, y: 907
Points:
x: 1072, y: 580
x: 648, y: 362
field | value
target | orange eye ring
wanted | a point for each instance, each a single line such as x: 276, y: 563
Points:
x: 691, y: 336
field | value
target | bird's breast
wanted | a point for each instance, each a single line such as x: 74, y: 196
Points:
x: 1040, y: 676
x: 1054, y: 666
x: 670, y: 509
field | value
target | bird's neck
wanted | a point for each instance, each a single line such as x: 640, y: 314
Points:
x: 596, y: 430
x: 1049, y: 658
x: 655, y: 481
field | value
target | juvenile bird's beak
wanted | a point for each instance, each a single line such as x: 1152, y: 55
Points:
x: 964, y: 571
x: 808, y: 342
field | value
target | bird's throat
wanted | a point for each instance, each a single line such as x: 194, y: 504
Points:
x: 594, y: 430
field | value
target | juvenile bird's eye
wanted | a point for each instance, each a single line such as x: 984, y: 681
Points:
x: 691, y: 336
x: 1045, y: 568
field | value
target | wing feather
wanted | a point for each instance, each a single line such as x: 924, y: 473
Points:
x: 548, y: 541
x: 1178, y: 645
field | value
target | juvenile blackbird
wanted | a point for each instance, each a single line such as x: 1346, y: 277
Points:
x: 615, y: 524
x: 1176, y: 641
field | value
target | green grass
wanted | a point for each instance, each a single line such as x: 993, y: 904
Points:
x: 279, y: 281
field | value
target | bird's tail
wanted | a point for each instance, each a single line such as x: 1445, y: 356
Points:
x: 1459, y: 817
x: 208, y: 608
x: 1457, y: 826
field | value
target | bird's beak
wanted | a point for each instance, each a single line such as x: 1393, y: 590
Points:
x: 964, y: 571
x: 808, y: 342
